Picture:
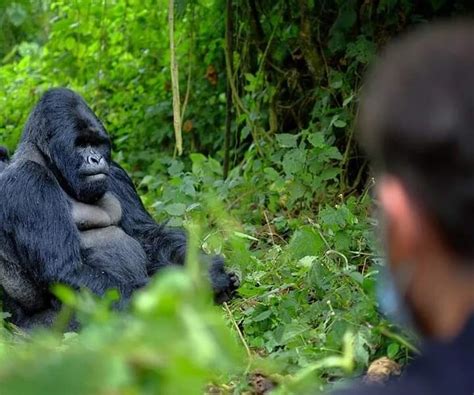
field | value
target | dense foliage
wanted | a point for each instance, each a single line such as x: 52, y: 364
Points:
x: 270, y: 176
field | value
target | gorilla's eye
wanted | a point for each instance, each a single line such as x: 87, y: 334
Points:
x: 82, y: 142
x: 91, y: 140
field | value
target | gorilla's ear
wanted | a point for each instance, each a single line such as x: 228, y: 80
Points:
x: 4, y: 157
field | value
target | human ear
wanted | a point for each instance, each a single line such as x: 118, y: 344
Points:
x: 402, y: 221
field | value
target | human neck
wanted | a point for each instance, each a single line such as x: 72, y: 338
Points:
x: 443, y: 296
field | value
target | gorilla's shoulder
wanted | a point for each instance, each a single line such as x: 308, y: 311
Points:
x: 119, y: 173
x: 24, y: 179
x: 120, y: 177
x: 29, y: 172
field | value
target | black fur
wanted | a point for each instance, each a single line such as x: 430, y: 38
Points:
x: 4, y: 158
x: 50, y: 231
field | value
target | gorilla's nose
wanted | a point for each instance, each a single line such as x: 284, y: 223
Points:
x: 95, y: 163
x: 95, y: 159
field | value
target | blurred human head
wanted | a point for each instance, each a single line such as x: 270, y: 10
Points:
x: 416, y: 122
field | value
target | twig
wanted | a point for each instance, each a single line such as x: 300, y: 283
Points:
x: 229, y: 33
x: 321, y: 49
x: 256, y: 21
x: 188, y: 91
x: 274, y: 291
x: 239, y: 198
x: 239, y: 332
x: 320, y: 233
x: 388, y: 333
x: 269, y: 227
x: 190, y: 68
x: 175, y: 81
x: 230, y: 78
x: 310, y: 54
x: 344, y: 258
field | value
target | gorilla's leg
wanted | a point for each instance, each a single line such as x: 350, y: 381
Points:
x: 43, y: 319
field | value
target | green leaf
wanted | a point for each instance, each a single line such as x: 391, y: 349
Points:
x: 197, y: 158
x: 360, y: 349
x: 357, y: 277
x: 347, y: 100
x: 147, y: 180
x: 293, y: 330
x: 17, y: 14
x: 336, y: 218
x: 330, y: 174
x: 176, y: 209
x: 336, y: 84
x: 317, y: 140
x: 294, y: 161
x: 333, y: 153
x: 271, y: 173
x: 175, y: 168
x: 65, y: 294
x: 339, y: 123
x: 245, y: 236
x: 305, y: 242
x: 262, y: 316
x: 392, y: 350
x: 287, y: 140
x: 307, y: 261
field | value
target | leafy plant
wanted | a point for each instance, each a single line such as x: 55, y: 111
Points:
x: 290, y: 212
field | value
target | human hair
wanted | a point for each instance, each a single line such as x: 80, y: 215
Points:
x: 416, y: 122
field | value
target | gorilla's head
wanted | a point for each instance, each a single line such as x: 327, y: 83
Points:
x: 73, y: 142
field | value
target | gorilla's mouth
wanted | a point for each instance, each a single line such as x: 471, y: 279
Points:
x: 96, y: 177
x: 92, y: 174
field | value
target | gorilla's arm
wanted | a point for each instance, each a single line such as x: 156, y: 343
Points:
x: 36, y: 215
x: 163, y: 246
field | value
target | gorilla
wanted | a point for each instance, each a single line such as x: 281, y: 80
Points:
x: 70, y: 215
x: 4, y: 158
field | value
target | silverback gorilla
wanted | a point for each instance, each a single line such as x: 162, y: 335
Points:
x: 68, y: 214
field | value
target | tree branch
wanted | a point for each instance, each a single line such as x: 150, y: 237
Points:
x: 175, y: 82
x: 311, y: 56
x: 229, y: 34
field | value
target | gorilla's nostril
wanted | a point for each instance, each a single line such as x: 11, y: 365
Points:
x: 94, y: 160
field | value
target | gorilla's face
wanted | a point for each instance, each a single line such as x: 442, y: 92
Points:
x: 82, y: 163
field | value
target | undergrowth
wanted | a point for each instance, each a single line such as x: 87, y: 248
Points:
x: 271, y: 178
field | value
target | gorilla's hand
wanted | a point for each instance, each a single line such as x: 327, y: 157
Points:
x: 224, y: 284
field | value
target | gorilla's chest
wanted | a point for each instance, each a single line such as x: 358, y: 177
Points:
x: 104, y: 244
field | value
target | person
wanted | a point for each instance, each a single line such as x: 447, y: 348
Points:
x: 416, y: 123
